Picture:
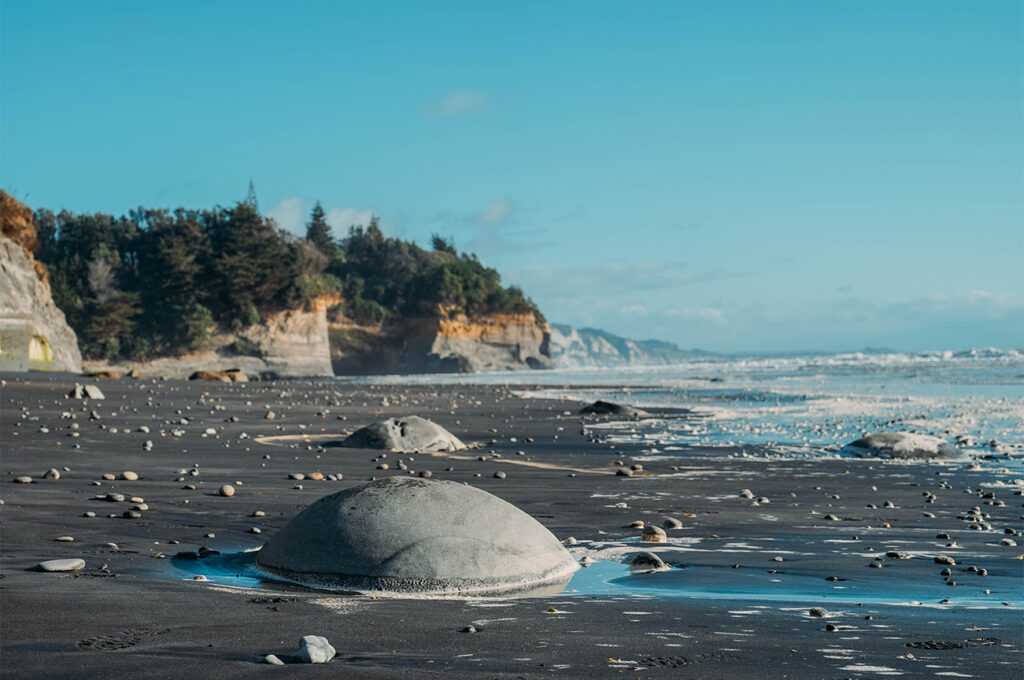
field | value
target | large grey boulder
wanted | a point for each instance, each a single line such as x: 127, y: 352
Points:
x: 902, y: 445
x: 410, y: 433
x: 404, y: 534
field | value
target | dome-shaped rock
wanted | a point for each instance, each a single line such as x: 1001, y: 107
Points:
x: 410, y: 433
x: 406, y: 534
x: 900, y: 445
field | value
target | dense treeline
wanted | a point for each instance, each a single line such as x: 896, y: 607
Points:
x: 159, y: 282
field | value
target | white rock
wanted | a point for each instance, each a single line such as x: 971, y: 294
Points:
x: 314, y: 649
x: 72, y: 564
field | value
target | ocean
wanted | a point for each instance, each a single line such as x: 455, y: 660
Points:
x: 798, y: 405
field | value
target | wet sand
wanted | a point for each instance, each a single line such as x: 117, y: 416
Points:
x: 734, y: 605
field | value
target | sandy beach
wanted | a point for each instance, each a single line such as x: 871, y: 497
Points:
x: 745, y: 572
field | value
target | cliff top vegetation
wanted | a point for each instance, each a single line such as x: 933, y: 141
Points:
x: 158, y: 282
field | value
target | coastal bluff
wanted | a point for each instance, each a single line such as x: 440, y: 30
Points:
x: 34, y: 333
x: 446, y: 343
x: 288, y: 344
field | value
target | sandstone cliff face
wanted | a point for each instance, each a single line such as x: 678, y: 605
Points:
x: 289, y: 344
x: 443, y: 344
x: 34, y: 333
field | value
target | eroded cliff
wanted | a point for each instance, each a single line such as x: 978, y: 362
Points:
x: 288, y: 344
x: 34, y: 334
x: 446, y: 343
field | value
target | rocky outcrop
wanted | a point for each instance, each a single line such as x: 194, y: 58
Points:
x: 587, y: 347
x: 289, y: 344
x: 447, y: 343
x: 34, y: 333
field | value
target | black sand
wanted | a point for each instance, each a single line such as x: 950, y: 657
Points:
x: 131, y: 613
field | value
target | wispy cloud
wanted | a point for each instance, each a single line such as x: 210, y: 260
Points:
x: 289, y: 215
x: 341, y: 219
x: 457, y: 104
x: 710, y: 314
x: 499, y: 212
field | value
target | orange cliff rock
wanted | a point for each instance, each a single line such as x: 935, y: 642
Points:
x: 446, y: 343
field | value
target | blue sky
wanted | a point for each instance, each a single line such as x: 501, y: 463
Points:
x: 728, y: 175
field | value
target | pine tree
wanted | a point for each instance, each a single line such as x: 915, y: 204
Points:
x: 250, y: 198
x: 319, y: 232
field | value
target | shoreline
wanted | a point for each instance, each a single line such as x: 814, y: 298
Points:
x: 134, y: 617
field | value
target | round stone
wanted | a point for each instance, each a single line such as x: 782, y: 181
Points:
x: 646, y: 561
x: 52, y: 473
x: 73, y: 564
x: 129, y: 475
x: 410, y: 534
x: 653, y: 534
x: 900, y: 445
x: 411, y: 433
x: 226, y: 490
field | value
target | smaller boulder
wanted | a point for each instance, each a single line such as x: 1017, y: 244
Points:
x: 314, y: 649
x: 900, y: 445
x: 86, y: 392
x: 607, y: 408
x: 211, y: 376
x: 647, y: 562
x: 103, y: 374
x: 410, y: 433
x: 653, y: 534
